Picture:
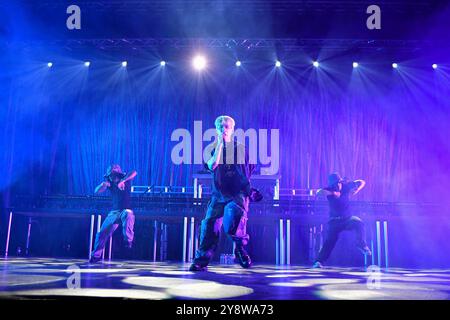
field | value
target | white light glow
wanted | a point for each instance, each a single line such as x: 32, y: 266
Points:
x: 92, y: 292
x: 199, y: 62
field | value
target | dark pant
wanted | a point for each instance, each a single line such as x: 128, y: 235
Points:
x: 126, y: 217
x: 335, y: 227
x: 232, y: 214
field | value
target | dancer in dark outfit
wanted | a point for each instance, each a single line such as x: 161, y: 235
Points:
x: 119, y: 184
x: 338, y: 193
x: 231, y: 193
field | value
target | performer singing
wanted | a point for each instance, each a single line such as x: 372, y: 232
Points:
x: 338, y: 193
x: 119, y: 184
x: 231, y: 193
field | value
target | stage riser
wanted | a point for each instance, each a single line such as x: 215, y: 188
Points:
x: 68, y: 236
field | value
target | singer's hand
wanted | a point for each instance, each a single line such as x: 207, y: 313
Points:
x: 121, y: 185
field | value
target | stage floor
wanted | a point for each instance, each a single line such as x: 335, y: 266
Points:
x: 36, y: 278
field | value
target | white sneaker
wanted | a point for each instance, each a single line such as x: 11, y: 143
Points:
x: 317, y: 265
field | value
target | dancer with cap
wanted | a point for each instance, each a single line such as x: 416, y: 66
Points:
x: 119, y: 184
x: 338, y: 194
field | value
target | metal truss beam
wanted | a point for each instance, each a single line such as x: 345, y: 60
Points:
x: 286, y: 44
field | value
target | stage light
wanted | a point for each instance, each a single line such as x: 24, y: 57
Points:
x: 12, y: 280
x: 124, y: 63
x: 94, y: 292
x: 199, y: 62
x: 395, y: 65
x: 238, y: 63
x: 316, y: 64
x: 278, y: 64
x: 87, y: 64
x: 162, y: 63
x: 313, y: 282
x: 211, y: 290
x: 355, y: 64
x: 50, y: 64
x: 173, y: 272
x: 434, y: 66
x: 389, y: 290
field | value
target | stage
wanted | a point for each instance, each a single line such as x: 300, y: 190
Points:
x: 43, y: 278
x: 149, y: 133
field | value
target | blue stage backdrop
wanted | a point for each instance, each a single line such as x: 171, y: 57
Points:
x: 64, y: 125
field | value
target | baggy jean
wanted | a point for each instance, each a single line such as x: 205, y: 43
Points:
x: 126, y: 217
x: 232, y: 214
x: 335, y: 227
